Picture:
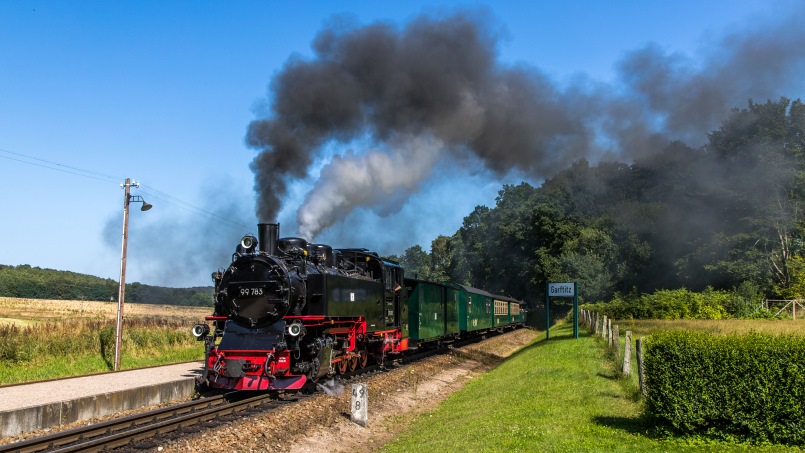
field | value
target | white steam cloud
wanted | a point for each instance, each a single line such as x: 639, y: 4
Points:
x: 377, y: 180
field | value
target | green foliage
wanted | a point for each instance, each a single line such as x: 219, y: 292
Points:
x: 106, y: 343
x: 14, y: 348
x: 750, y: 386
x: 762, y: 313
x: 668, y: 304
x: 35, y: 283
x: 416, y: 262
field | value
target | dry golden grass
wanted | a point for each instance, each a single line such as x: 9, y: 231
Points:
x: 30, y: 311
x: 44, y: 339
x: 642, y: 327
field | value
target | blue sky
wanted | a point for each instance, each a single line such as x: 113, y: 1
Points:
x: 162, y: 92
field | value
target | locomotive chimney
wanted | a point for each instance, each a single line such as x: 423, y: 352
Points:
x: 267, y: 236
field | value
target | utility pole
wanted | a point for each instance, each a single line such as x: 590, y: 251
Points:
x: 121, y: 292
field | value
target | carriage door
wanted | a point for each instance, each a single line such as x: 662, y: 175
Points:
x: 393, y: 288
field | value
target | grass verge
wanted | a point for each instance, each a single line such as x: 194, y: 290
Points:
x: 75, y: 347
x: 551, y: 396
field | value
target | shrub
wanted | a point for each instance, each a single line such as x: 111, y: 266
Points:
x: 667, y: 304
x: 751, y: 386
x: 13, y: 345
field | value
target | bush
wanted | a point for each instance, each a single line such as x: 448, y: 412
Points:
x: 667, y: 304
x: 751, y: 386
x: 13, y: 347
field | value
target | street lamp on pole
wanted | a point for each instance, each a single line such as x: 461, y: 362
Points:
x: 121, y: 292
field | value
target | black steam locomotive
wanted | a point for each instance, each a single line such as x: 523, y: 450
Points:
x: 288, y: 312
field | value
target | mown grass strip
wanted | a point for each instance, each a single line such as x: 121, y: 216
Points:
x: 562, y: 395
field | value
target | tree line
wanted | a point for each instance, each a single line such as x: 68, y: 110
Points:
x: 36, y: 283
x: 727, y: 215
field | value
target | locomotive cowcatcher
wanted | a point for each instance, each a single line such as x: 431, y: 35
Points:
x: 288, y: 313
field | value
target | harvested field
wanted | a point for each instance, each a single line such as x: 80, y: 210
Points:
x: 26, y: 311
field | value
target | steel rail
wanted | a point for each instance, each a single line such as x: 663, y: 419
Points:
x: 119, y: 432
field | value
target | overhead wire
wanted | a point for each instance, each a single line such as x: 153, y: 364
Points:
x: 173, y: 201
x: 150, y: 191
x: 54, y: 166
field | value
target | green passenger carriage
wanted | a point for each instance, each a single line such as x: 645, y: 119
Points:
x: 432, y: 311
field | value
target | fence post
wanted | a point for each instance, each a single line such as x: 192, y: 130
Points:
x: 604, y: 328
x: 627, y: 354
x: 595, y: 323
x: 641, y: 369
x: 616, y: 340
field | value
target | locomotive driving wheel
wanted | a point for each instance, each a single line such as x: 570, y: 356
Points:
x: 342, y: 365
x: 364, y: 359
x: 353, y: 363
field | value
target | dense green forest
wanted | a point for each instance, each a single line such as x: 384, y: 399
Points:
x: 36, y: 283
x: 725, y: 216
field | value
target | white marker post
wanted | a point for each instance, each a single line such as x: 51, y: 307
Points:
x: 360, y: 402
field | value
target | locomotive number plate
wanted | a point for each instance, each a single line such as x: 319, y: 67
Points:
x: 251, y: 291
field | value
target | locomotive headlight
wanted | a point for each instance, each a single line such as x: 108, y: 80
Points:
x: 248, y: 242
x: 295, y: 329
x: 200, y: 331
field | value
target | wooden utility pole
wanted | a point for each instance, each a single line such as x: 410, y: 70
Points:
x: 121, y: 291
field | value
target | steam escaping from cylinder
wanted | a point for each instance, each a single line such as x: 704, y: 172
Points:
x: 331, y: 387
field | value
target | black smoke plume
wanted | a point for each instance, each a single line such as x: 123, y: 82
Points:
x: 434, y: 89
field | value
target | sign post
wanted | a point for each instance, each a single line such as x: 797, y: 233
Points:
x: 562, y: 290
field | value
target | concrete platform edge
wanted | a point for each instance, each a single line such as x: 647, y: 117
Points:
x: 33, y: 418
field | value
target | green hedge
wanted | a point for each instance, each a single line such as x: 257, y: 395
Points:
x: 751, y: 386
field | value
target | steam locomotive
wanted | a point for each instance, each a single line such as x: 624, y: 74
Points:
x: 288, y: 313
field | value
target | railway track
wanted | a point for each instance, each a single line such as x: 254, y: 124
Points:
x: 133, y: 429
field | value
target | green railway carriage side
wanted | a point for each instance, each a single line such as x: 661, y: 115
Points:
x: 479, y: 310
x: 507, y: 311
x: 517, y: 312
x: 432, y: 310
x: 475, y: 308
x: 440, y: 311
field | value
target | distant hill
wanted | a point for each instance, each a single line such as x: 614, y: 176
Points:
x: 37, y: 283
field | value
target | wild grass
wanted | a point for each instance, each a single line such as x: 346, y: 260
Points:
x: 643, y: 327
x: 559, y: 395
x: 52, y: 339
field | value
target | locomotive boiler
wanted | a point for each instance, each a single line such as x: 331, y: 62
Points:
x: 288, y: 312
